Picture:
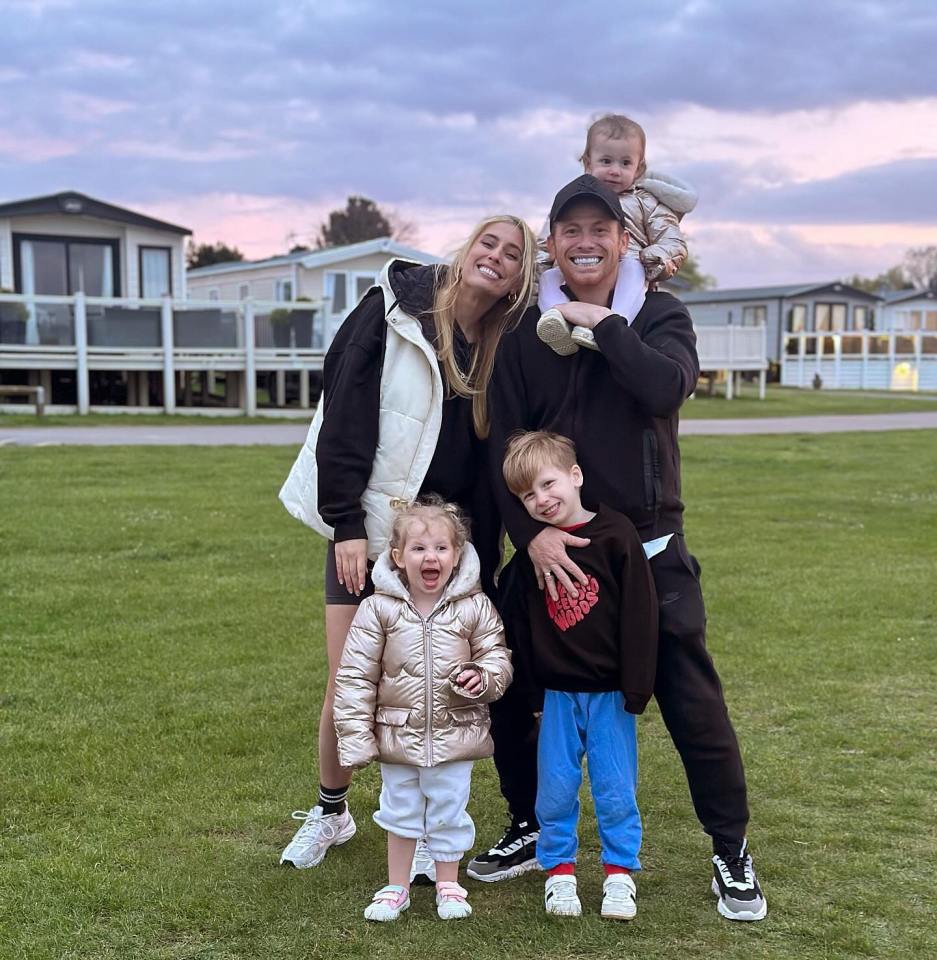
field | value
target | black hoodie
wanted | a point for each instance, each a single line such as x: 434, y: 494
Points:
x: 348, y: 439
x: 618, y: 405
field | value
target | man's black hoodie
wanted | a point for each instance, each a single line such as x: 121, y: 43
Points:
x: 618, y: 405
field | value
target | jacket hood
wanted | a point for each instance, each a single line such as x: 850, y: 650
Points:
x: 413, y: 285
x: 673, y: 192
x: 464, y: 582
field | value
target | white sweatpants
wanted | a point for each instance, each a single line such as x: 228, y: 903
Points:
x: 429, y: 802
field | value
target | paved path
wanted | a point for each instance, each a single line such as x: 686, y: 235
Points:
x: 844, y: 423
x: 292, y: 434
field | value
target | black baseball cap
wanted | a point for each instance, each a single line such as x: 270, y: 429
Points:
x: 586, y: 187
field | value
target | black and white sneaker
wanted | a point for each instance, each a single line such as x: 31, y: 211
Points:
x: 515, y: 853
x: 735, y: 883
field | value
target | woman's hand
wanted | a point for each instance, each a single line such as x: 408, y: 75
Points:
x: 548, y: 554
x: 582, y: 314
x: 351, y: 564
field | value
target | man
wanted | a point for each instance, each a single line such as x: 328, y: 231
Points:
x: 620, y: 406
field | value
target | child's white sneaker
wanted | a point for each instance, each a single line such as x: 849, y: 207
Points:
x: 319, y: 831
x: 584, y: 337
x: 452, y: 901
x: 556, y: 333
x: 619, y: 897
x: 560, y: 897
x: 387, y: 904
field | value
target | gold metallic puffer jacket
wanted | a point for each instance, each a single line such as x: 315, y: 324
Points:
x: 395, y: 698
x: 653, y: 210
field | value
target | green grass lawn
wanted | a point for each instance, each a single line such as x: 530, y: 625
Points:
x: 161, y: 660
x: 779, y: 402
x: 792, y: 402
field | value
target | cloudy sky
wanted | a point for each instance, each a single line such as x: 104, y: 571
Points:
x: 809, y: 128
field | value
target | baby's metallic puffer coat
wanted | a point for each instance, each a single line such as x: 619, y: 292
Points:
x: 395, y: 695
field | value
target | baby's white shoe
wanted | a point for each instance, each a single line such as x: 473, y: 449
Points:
x: 584, y: 337
x: 556, y: 333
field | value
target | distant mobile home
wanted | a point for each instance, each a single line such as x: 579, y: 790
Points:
x: 336, y: 277
x: 793, y: 308
x: 67, y: 243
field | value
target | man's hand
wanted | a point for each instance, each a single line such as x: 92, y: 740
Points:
x: 582, y: 314
x: 351, y: 564
x: 551, y: 563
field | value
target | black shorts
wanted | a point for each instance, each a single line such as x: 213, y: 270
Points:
x: 335, y: 593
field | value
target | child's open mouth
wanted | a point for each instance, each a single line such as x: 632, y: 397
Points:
x: 430, y: 578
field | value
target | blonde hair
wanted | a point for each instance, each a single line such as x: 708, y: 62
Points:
x: 528, y: 453
x: 504, y: 315
x: 617, y: 126
x: 426, y: 510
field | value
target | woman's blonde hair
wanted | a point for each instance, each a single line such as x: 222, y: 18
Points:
x: 426, y: 510
x: 503, y: 316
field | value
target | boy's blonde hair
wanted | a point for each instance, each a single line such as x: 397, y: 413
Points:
x: 425, y: 510
x: 528, y: 453
x: 617, y: 126
x: 503, y: 316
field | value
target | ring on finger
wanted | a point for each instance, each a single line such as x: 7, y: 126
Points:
x: 548, y: 574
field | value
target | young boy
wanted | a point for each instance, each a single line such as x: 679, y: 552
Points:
x: 595, y: 655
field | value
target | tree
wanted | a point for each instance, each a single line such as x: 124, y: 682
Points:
x: 891, y: 279
x: 206, y: 254
x: 920, y: 267
x: 691, y: 272
x: 362, y: 219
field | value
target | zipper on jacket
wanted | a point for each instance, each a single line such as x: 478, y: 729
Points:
x: 428, y: 674
x: 428, y: 682
x: 652, y: 482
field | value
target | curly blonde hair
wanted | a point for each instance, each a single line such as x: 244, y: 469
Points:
x: 425, y: 511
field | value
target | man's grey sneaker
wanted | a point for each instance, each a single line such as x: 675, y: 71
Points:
x: 560, y: 897
x: 423, y: 868
x: 619, y: 897
x: 515, y: 853
x: 735, y: 884
x: 556, y: 333
x: 584, y: 337
x: 313, y: 839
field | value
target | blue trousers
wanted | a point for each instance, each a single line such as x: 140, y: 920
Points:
x: 597, y: 726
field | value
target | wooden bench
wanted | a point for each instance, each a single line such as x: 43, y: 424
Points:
x: 37, y: 393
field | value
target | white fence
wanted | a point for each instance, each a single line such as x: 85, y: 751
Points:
x: 168, y: 338
x: 165, y: 336
x: 864, y: 360
x: 734, y: 350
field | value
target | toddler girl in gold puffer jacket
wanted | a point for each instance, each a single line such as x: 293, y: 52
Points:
x: 424, y: 657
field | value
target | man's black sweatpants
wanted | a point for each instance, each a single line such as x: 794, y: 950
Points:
x: 687, y: 689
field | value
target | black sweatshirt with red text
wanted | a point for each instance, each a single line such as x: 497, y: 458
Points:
x: 606, y: 639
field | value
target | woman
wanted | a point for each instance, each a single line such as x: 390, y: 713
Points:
x: 403, y: 412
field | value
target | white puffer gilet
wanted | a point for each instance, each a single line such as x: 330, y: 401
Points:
x: 409, y: 421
